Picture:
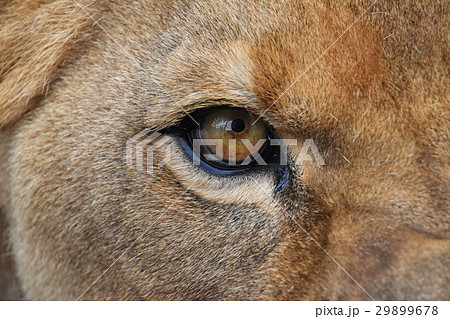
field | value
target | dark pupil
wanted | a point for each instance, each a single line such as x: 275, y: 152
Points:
x: 238, y: 125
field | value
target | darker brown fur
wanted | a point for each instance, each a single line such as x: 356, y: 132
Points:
x: 375, y: 102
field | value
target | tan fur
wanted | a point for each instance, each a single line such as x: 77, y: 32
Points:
x: 375, y: 103
x: 37, y: 37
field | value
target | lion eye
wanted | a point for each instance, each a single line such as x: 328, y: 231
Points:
x: 229, y: 138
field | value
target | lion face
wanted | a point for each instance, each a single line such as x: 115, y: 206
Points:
x: 365, y: 89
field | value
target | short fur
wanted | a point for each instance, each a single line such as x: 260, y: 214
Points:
x: 375, y: 103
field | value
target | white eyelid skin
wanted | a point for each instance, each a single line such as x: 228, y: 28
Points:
x: 237, y: 189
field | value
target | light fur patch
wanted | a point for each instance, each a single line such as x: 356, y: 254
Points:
x: 253, y: 189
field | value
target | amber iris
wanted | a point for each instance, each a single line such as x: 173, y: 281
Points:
x: 235, y: 132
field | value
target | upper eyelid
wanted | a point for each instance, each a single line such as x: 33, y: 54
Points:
x: 196, y: 109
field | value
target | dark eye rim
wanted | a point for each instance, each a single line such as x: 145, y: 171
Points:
x: 270, y: 154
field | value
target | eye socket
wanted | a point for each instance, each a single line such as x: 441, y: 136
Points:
x: 228, y: 139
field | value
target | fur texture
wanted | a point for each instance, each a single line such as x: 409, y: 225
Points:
x: 375, y: 102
